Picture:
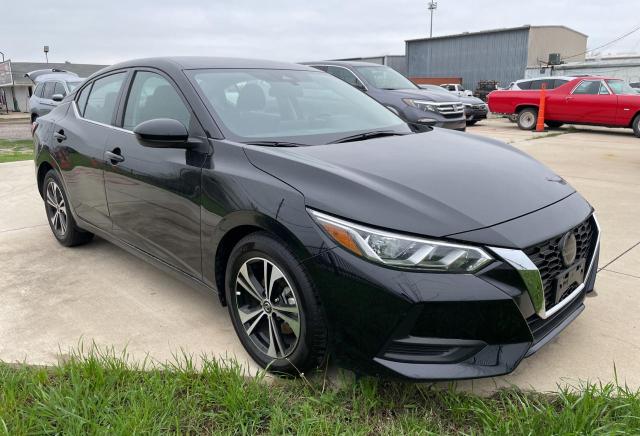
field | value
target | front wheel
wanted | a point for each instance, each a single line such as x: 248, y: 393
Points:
x: 472, y: 123
x: 274, y: 307
x: 636, y: 126
x: 527, y: 118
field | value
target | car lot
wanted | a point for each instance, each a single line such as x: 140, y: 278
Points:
x: 55, y: 297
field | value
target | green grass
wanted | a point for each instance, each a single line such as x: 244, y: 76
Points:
x: 100, y: 393
x: 12, y: 150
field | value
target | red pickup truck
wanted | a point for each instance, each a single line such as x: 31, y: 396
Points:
x: 584, y: 100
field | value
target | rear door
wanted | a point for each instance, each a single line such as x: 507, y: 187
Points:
x: 154, y: 193
x: 82, y: 136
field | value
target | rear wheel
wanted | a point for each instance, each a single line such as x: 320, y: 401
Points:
x: 527, y: 118
x: 273, y: 306
x: 61, y: 221
x: 636, y: 126
x: 554, y: 124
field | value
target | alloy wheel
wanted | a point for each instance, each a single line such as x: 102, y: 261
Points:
x: 57, y: 208
x: 267, y: 307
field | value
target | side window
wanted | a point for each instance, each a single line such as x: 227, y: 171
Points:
x: 346, y: 75
x: 38, y: 91
x: 81, y: 100
x: 59, y: 89
x: 152, y: 96
x: 588, y: 87
x: 550, y: 83
x: 102, y: 100
x: 320, y: 67
x: 524, y: 85
x: 603, y: 89
x: 559, y: 82
x: 48, y: 90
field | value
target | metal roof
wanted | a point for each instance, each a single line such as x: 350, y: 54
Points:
x: 484, y: 32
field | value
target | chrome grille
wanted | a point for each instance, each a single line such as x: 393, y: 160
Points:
x: 449, y: 108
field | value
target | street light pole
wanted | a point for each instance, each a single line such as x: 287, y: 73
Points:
x: 433, y: 5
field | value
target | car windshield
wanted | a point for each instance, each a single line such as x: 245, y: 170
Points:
x: 73, y: 85
x: 385, y: 78
x: 621, y: 87
x: 290, y: 106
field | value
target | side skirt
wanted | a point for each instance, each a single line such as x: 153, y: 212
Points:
x: 199, y: 285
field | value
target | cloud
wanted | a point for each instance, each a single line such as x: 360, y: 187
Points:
x: 292, y: 30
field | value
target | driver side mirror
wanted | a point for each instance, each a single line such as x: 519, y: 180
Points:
x: 162, y: 133
x: 57, y: 97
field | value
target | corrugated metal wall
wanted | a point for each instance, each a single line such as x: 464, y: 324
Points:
x: 500, y: 56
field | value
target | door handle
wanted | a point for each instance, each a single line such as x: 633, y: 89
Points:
x: 114, y: 156
x: 59, y: 135
x: 568, y: 98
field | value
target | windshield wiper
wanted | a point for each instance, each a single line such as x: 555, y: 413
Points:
x: 369, y: 135
x: 275, y: 144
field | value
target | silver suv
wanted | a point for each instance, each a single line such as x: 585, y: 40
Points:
x: 52, y: 86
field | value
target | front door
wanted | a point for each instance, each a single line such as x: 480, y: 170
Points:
x: 154, y: 193
x: 591, y: 103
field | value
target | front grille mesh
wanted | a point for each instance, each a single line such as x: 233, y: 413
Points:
x: 548, y: 259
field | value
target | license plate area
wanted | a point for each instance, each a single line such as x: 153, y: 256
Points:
x: 568, y: 278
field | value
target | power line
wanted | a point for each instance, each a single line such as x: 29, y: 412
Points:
x: 604, y: 45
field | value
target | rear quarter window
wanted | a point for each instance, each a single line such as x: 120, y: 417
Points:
x: 524, y: 85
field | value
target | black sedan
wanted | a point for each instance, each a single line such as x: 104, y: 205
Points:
x: 324, y: 223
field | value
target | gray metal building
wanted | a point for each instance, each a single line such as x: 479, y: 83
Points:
x: 397, y: 62
x: 501, y: 54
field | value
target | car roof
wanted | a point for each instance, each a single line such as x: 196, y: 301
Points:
x: 344, y: 63
x: 198, y: 62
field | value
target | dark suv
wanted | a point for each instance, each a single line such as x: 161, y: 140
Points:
x: 416, y: 106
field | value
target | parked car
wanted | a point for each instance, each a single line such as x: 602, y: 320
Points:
x: 583, y: 100
x: 548, y: 82
x: 323, y: 222
x: 52, y: 85
x: 474, y: 108
x: 422, y: 109
x: 457, y: 89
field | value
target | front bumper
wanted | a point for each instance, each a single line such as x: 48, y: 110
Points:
x: 434, y: 326
x: 423, y: 120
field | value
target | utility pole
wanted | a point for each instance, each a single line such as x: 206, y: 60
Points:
x: 433, y: 5
x: 46, y: 52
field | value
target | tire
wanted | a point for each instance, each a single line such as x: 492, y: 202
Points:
x: 60, y: 219
x: 527, y: 118
x: 513, y: 118
x: 554, y: 124
x: 636, y: 126
x: 291, y: 340
x: 472, y: 123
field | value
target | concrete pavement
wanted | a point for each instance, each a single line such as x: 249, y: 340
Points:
x: 54, y: 297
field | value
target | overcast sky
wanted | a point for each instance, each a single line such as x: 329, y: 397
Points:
x: 108, y: 31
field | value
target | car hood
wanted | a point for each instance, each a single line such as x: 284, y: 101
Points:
x: 471, y: 100
x: 424, y: 94
x: 436, y: 183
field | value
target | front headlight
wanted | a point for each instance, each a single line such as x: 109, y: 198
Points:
x: 423, y: 105
x: 399, y: 250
